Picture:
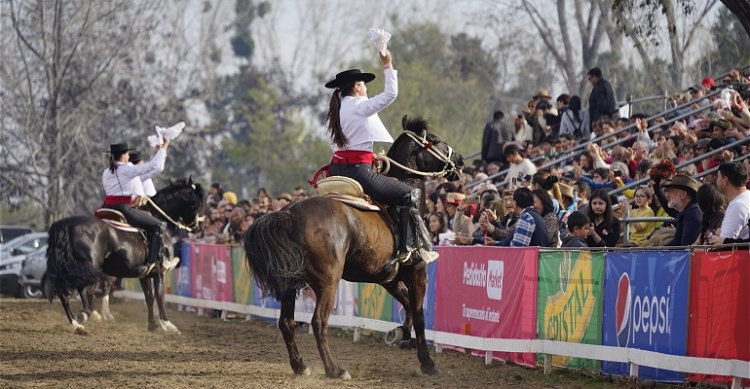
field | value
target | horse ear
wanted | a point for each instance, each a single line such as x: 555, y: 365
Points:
x: 190, y: 179
x: 404, y: 120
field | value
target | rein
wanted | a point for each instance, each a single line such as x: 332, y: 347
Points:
x: 448, y: 168
x: 177, y: 224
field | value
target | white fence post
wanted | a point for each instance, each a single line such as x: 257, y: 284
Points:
x: 488, y: 357
x: 547, y: 364
x: 633, y: 370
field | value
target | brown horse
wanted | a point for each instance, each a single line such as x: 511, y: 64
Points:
x: 319, y: 241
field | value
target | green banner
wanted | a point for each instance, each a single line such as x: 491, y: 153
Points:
x: 374, y: 302
x: 242, y: 280
x: 569, y: 305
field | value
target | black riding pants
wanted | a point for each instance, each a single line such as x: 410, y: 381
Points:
x: 380, y: 188
x: 139, y: 218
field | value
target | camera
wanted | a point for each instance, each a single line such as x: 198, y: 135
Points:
x: 617, y: 173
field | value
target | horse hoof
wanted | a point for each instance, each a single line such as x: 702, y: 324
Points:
x: 79, y: 329
x: 95, y: 316
x: 394, y: 336
x: 168, y: 327
x: 431, y: 371
x: 109, y: 316
x: 345, y: 375
x: 153, y: 327
x: 82, y: 317
x: 306, y: 371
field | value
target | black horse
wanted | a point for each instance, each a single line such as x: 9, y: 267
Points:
x: 319, y: 241
x: 83, y: 250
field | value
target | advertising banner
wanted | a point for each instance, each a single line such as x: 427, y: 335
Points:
x: 374, y: 302
x: 569, y: 307
x: 212, y: 272
x: 242, y: 280
x: 345, y: 304
x: 719, y: 309
x: 183, y: 285
x: 488, y: 292
x: 646, y: 307
x: 399, y: 313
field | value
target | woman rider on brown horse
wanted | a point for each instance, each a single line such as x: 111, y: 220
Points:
x: 353, y: 126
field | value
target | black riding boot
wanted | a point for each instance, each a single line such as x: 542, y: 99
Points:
x: 155, y: 244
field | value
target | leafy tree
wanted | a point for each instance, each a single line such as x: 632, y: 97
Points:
x: 448, y: 80
x: 731, y: 45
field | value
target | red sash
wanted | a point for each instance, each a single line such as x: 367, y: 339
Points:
x: 115, y: 200
x: 352, y: 157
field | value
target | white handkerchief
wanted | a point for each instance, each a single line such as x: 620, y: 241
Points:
x: 169, y: 133
x: 154, y: 140
x: 379, y: 39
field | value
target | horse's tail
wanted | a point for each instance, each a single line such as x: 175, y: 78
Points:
x: 65, y: 272
x: 277, y: 261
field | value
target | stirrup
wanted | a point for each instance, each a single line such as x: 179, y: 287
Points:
x: 146, y: 270
x: 428, y: 256
x: 171, y: 263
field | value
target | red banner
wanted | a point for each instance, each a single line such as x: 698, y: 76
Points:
x: 211, y: 267
x: 488, y: 292
x: 719, y: 308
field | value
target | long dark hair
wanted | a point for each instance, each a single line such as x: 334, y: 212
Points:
x: 113, y: 158
x: 574, y: 105
x: 334, y: 121
x: 711, y: 203
x: 546, y: 200
x: 601, y: 194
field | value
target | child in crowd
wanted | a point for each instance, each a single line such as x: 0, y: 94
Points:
x: 578, y: 225
x: 639, y: 232
x: 606, y: 229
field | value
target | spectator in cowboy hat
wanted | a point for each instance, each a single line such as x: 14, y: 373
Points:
x: 680, y: 202
x: 451, y: 203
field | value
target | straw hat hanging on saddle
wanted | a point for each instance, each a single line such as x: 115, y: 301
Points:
x: 349, y: 76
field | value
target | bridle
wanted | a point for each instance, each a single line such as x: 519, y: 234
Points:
x: 179, y: 223
x: 448, y: 169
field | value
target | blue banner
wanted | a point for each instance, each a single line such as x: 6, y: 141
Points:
x: 182, y: 276
x: 429, y: 300
x: 646, y: 307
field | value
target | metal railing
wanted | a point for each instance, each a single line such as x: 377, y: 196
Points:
x: 687, y: 163
x: 581, y: 147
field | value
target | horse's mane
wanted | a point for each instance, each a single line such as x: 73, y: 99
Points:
x: 417, y: 125
x: 167, y: 193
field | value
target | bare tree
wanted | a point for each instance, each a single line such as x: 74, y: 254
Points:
x: 76, y: 76
x: 556, y: 35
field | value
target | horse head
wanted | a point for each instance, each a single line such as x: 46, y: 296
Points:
x: 424, y: 153
x: 182, y: 201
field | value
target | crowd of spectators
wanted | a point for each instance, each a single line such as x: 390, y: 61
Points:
x: 534, y: 186
x: 227, y: 219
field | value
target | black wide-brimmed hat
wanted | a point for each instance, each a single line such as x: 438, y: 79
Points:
x: 135, y: 157
x: 348, y: 77
x: 118, y: 148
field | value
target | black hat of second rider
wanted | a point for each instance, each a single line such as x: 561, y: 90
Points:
x: 118, y: 148
x: 348, y: 77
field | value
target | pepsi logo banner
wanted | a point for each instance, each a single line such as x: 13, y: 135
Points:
x: 569, y: 306
x: 646, y: 307
x: 488, y: 292
x: 719, y: 325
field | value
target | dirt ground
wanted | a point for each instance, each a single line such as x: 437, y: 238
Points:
x: 38, y: 349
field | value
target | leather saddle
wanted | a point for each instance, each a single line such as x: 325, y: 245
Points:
x: 347, y: 191
x: 115, y: 219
